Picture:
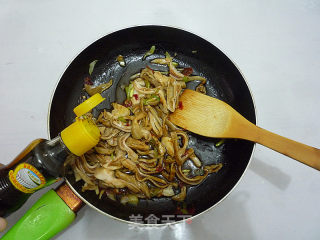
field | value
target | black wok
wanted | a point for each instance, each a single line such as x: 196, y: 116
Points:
x: 224, y: 82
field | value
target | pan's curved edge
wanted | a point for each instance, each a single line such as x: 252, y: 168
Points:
x: 254, y: 144
x: 184, y: 220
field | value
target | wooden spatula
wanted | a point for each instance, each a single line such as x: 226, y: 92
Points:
x: 211, y: 117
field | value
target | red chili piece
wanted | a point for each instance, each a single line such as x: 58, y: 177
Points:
x: 180, y: 105
x: 127, y: 103
x: 150, y: 68
x: 88, y: 81
x: 136, y: 96
x: 187, y: 71
x: 185, y: 153
x: 159, y: 168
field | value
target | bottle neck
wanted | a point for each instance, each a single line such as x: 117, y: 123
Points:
x: 57, y: 146
x: 56, y: 149
x: 53, y: 154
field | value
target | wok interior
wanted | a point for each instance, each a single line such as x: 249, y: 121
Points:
x: 224, y: 82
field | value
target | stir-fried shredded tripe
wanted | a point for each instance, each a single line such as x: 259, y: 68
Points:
x: 141, y: 153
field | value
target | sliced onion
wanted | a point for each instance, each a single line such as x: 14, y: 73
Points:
x: 130, y: 199
x: 181, y: 196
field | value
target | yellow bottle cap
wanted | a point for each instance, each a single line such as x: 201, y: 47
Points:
x: 83, y: 134
x: 87, y: 105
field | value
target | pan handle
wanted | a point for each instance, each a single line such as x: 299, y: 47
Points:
x: 47, y: 217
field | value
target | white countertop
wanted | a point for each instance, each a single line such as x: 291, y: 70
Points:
x: 276, y: 44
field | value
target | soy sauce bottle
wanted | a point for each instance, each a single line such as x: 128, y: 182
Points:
x: 41, y: 162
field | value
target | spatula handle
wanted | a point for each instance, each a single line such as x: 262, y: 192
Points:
x: 298, y: 151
